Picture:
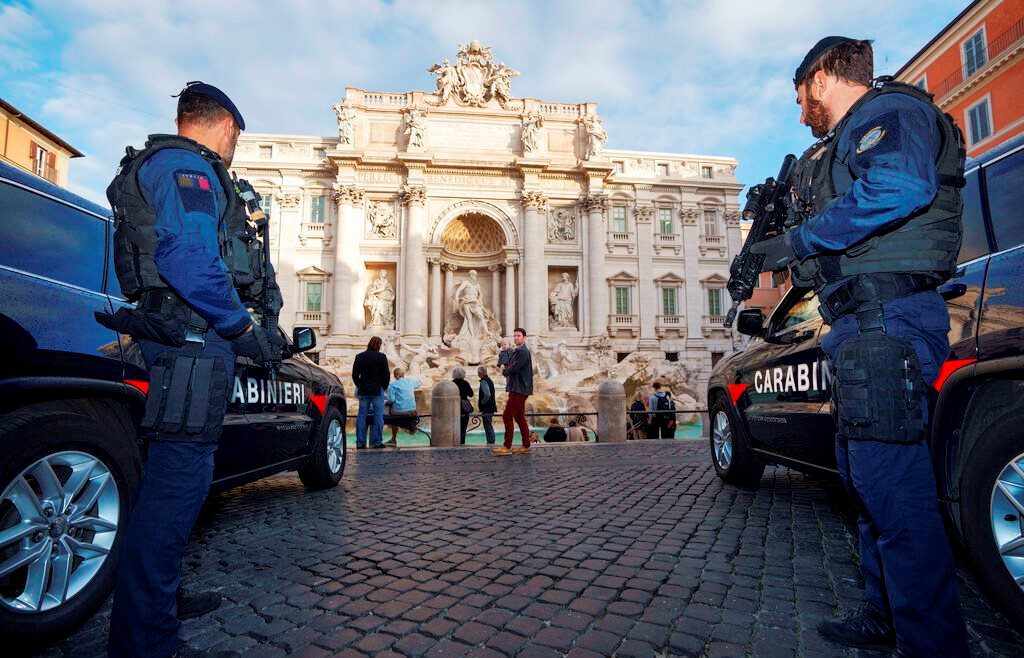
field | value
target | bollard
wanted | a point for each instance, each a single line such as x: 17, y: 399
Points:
x: 611, y: 412
x: 444, y: 415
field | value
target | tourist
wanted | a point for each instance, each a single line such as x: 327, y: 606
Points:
x: 465, y: 401
x: 575, y: 433
x: 505, y: 353
x: 555, y: 432
x: 402, y: 400
x: 638, y: 422
x: 487, y: 403
x: 663, y: 422
x: 519, y: 385
x: 371, y: 377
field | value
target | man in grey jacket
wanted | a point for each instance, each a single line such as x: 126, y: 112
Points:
x: 519, y: 386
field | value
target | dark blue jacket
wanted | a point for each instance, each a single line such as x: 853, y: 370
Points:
x: 519, y: 372
x: 189, y: 203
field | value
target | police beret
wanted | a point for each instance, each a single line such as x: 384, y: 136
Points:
x: 819, y: 49
x: 217, y: 96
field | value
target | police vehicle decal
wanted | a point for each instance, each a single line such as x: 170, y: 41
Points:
x: 791, y: 379
x: 268, y: 392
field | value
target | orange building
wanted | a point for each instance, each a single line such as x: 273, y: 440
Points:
x: 975, y: 69
x: 27, y: 144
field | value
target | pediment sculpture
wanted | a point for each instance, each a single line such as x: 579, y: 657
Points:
x: 474, y: 79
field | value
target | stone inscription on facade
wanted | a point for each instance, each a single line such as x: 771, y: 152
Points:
x: 462, y: 180
x: 462, y: 134
x: 378, y: 177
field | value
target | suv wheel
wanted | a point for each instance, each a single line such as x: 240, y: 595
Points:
x: 730, y: 447
x: 66, y: 484
x: 323, y: 468
x: 993, y: 509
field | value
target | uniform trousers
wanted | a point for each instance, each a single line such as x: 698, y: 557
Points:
x: 176, y: 478
x: 905, y: 557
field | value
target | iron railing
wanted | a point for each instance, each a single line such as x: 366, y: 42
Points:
x: 995, y: 48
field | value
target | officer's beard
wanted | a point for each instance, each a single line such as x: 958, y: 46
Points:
x: 819, y: 119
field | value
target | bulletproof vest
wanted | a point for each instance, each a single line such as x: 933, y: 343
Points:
x: 135, y: 225
x: 925, y: 243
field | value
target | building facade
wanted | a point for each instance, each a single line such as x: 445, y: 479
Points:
x: 975, y: 69
x: 29, y: 145
x: 443, y: 220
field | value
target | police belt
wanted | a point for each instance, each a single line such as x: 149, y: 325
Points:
x: 163, y: 301
x: 870, y: 290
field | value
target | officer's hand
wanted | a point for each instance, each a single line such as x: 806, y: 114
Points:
x: 778, y: 252
x: 254, y: 344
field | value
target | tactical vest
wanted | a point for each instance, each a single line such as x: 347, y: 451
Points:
x: 135, y: 225
x: 926, y: 243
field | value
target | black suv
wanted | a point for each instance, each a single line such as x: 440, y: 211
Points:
x: 769, y: 402
x: 71, y: 397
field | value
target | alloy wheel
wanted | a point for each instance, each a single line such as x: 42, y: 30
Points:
x: 1007, y: 515
x: 58, y: 522
x: 335, y: 446
x: 721, y: 435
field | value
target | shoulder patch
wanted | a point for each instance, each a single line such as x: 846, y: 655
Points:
x: 194, y: 190
x: 871, y: 138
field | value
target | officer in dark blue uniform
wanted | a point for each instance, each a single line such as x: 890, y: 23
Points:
x: 171, y: 204
x: 878, y: 197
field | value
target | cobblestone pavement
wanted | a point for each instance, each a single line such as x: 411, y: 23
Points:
x: 581, y: 550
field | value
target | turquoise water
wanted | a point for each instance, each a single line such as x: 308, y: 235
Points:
x: 476, y: 437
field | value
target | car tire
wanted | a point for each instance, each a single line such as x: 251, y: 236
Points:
x: 324, y: 467
x: 990, y: 517
x: 67, y: 481
x: 730, y: 447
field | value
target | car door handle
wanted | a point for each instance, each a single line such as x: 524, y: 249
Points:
x: 953, y: 290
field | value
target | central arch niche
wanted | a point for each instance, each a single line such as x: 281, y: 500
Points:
x: 476, y: 237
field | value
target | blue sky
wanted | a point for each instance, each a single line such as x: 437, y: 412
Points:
x: 678, y: 76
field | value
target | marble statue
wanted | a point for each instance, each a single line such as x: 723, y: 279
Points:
x: 500, y: 83
x: 467, y: 298
x: 346, y: 124
x: 415, y: 127
x: 596, y: 135
x: 561, y: 299
x: 532, y: 123
x: 447, y: 79
x: 562, y: 225
x: 380, y: 300
x: 382, y: 220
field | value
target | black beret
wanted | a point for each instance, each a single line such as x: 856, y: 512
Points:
x: 819, y: 49
x: 217, y: 96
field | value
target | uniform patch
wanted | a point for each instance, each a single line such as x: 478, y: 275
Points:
x: 195, y: 191
x: 871, y: 139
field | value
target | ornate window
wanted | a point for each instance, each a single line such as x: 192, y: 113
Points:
x: 670, y: 315
x: 266, y: 202
x: 619, y: 219
x: 314, y: 295
x: 316, y: 209
x: 707, y: 172
x: 311, y: 288
x: 623, y: 317
x: 715, y: 301
x: 622, y: 306
x: 975, y: 53
x: 665, y: 224
x: 266, y: 151
x: 711, y: 223
x: 663, y: 169
x: 668, y: 301
x: 979, y: 121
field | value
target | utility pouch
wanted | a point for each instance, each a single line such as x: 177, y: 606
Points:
x: 185, y: 394
x: 145, y: 325
x: 879, y: 391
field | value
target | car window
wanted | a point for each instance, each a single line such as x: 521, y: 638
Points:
x: 1006, y: 199
x: 975, y: 242
x: 113, y: 285
x: 804, y: 309
x: 48, y: 238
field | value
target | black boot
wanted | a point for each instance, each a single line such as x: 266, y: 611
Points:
x: 865, y: 629
x: 197, y: 604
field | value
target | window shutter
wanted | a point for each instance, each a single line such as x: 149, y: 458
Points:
x: 51, y: 161
x: 33, y: 148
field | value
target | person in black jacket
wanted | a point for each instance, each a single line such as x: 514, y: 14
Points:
x: 371, y: 377
x: 487, y: 403
x: 465, y: 401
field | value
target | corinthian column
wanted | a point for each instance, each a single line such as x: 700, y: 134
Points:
x: 414, y: 264
x: 347, y: 268
x: 510, y: 295
x: 534, y: 238
x: 449, y: 283
x: 496, y: 291
x: 597, y: 293
x: 436, y: 297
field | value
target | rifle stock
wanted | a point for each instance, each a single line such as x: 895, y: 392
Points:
x: 767, y: 204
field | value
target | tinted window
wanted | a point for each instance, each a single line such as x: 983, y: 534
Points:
x: 804, y: 309
x: 1006, y: 200
x: 50, y: 239
x: 975, y: 238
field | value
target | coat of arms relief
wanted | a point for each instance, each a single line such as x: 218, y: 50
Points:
x: 474, y: 79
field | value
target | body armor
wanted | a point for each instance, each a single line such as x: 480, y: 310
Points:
x: 924, y: 245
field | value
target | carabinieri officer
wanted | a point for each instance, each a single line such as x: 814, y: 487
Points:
x: 182, y: 252
x: 879, y: 200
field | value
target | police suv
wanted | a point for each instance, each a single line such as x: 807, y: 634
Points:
x: 769, y: 402
x: 72, y: 394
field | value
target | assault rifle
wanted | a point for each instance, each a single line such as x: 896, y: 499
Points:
x: 768, y: 205
x: 265, y: 290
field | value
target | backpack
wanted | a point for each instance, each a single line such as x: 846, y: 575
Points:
x: 667, y: 404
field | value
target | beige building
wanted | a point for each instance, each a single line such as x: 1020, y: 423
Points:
x: 27, y: 144
x: 444, y: 220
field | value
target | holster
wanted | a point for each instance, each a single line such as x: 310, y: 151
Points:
x: 186, y: 391
x: 879, y: 392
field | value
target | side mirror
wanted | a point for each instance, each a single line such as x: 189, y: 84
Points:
x: 751, y: 322
x: 303, y: 339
